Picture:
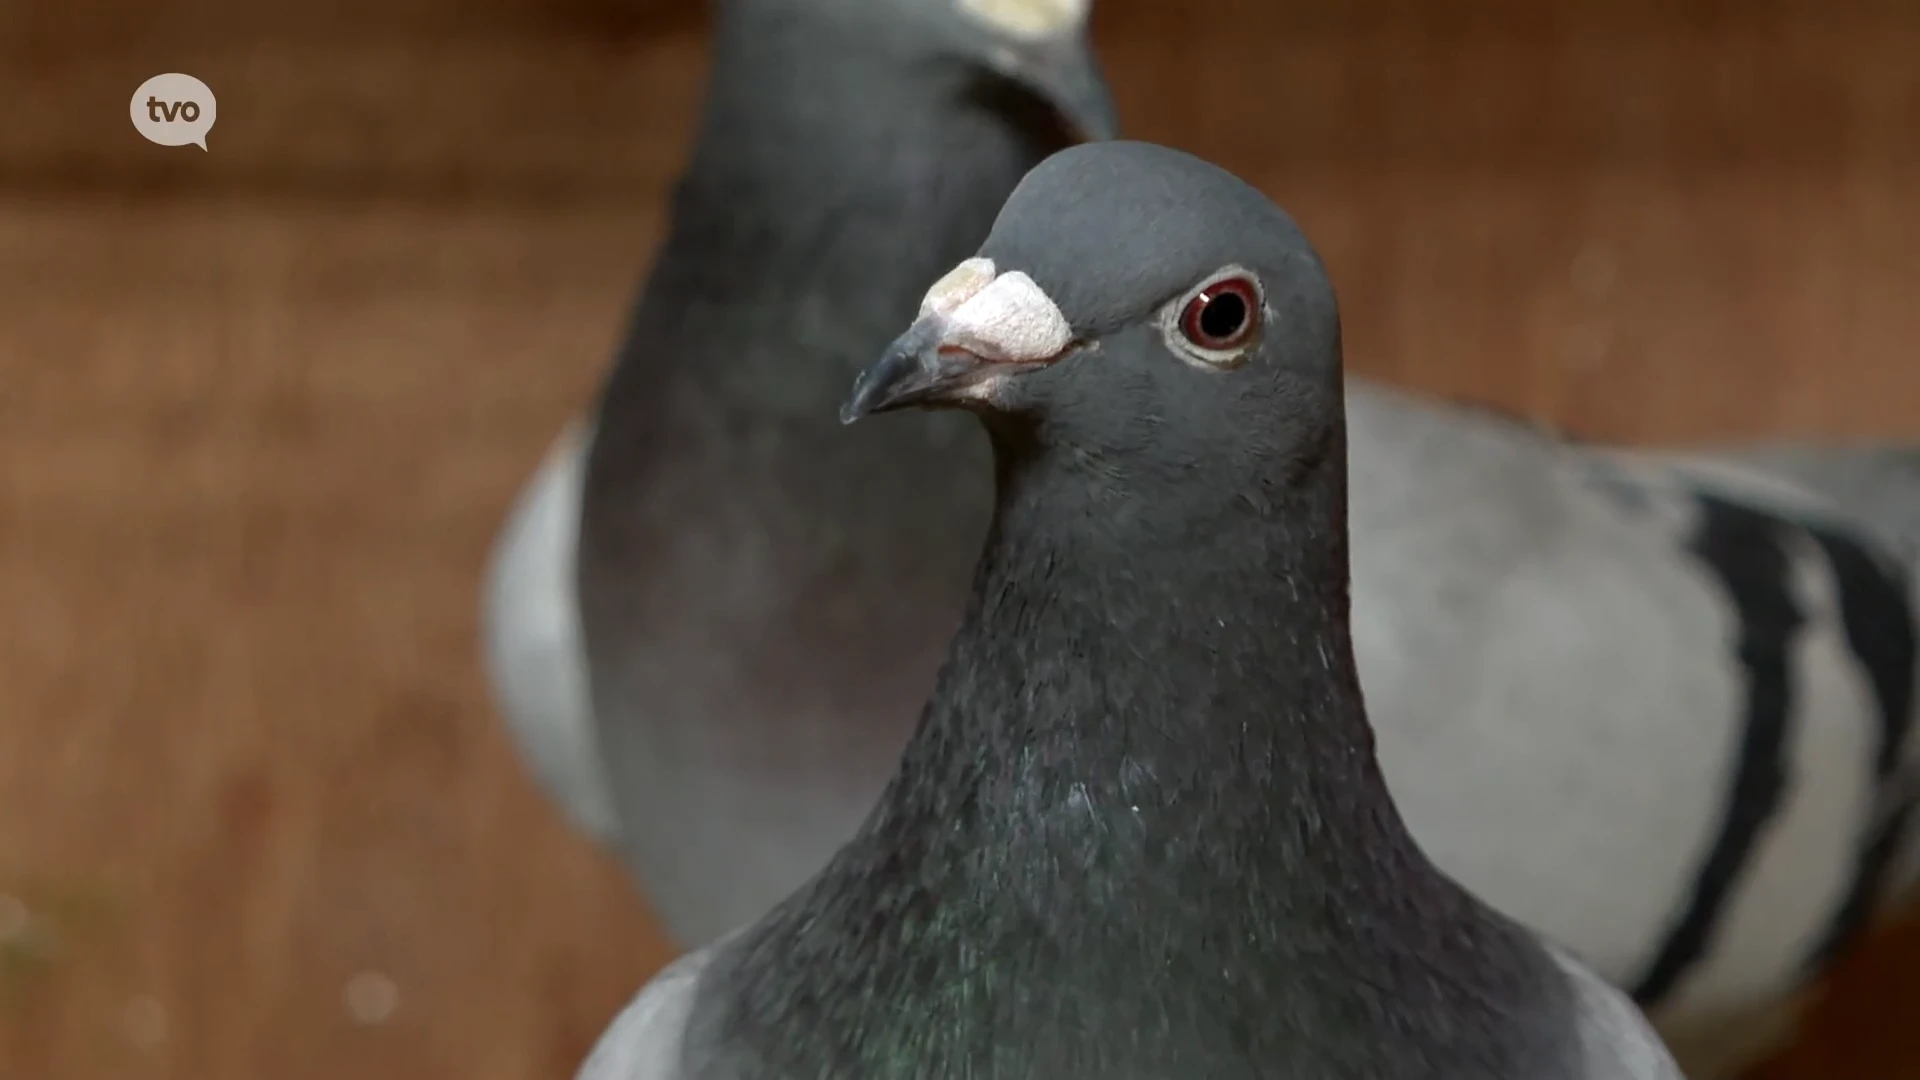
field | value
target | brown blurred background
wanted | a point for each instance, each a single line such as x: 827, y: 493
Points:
x: 262, y: 408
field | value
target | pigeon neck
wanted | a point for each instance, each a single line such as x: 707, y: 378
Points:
x: 1140, y: 830
x: 1182, y: 659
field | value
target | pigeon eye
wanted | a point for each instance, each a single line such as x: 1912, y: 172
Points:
x: 1217, y: 320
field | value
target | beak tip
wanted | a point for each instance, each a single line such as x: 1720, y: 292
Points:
x: 860, y: 404
x: 891, y: 381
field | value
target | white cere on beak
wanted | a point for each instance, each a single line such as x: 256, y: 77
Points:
x: 957, y: 286
x: 1012, y: 320
x: 1028, y: 20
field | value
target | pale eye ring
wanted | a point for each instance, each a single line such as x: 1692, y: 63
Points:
x: 1216, y: 322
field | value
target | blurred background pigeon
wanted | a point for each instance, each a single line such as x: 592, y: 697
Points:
x: 741, y: 559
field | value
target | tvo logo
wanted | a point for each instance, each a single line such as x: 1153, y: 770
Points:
x: 173, y: 110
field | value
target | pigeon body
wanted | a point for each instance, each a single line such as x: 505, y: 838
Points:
x: 1140, y: 831
x: 1655, y: 705
x: 1546, y: 618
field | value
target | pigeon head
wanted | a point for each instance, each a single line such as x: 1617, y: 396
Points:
x: 1039, y: 46
x: 1131, y: 300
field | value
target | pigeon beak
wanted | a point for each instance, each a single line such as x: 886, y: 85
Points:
x: 915, y: 370
x: 976, y: 327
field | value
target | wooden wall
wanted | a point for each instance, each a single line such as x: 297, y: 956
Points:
x: 261, y: 409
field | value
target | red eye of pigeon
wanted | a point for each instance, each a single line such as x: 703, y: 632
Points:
x: 1222, y: 315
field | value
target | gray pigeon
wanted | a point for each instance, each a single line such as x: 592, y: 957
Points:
x: 737, y: 550
x: 1140, y: 831
x: 1656, y: 706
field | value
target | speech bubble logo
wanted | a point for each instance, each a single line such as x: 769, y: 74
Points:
x: 173, y: 110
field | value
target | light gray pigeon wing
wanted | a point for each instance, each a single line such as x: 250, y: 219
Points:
x: 645, y: 1041
x: 1660, y: 663
x: 530, y: 636
x: 1614, y: 1037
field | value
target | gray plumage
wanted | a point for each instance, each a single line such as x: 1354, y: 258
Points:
x: 1554, y: 673
x: 732, y: 545
x: 647, y: 1039
x: 1140, y: 831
